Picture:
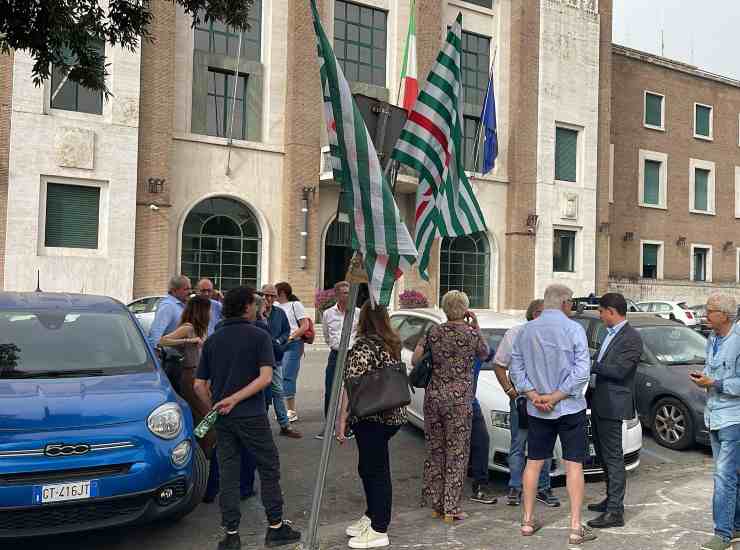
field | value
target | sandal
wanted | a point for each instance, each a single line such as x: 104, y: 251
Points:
x: 531, y: 526
x: 581, y: 535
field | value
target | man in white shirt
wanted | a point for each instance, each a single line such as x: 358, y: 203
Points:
x: 332, y: 322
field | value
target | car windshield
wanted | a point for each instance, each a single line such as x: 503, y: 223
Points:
x: 674, y: 345
x: 493, y: 337
x: 39, y: 344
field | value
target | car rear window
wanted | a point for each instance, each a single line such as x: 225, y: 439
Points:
x: 58, y: 342
x: 493, y: 337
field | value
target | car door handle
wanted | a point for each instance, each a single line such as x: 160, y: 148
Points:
x: 649, y: 384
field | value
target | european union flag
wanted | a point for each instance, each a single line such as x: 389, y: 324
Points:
x: 488, y: 120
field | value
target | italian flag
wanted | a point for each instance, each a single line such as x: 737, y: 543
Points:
x: 409, y: 82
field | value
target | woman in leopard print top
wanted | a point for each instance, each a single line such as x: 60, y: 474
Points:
x: 377, y: 346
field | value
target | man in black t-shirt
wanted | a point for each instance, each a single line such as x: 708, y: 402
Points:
x: 235, y: 366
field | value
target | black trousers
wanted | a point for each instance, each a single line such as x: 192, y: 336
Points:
x: 607, y: 436
x: 255, y: 435
x: 375, y: 470
x: 479, y: 446
x: 331, y: 367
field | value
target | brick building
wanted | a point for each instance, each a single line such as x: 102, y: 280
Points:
x: 675, y: 186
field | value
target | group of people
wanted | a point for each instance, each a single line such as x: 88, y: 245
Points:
x: 242, y: 355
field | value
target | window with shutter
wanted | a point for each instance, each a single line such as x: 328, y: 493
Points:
x: 72, y: 213
x: 566, y: 154
x: 701, y: 189
x: 652, y: 182
x: 564, y: 250
x: 703, y: 120
x: 700, y: 264
x: 653, y: 110
x: 650, y: 261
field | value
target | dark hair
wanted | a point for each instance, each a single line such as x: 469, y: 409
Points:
x: 615, y: 300
x: 198, y: 313
x: 236, y: 301
x: 284, y: 288
x: 376, y: 322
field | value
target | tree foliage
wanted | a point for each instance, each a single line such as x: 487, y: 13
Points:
x: 63, y: 32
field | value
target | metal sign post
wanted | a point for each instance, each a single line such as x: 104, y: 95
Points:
x: 356, y: 276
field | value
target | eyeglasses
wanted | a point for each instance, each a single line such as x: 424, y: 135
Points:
x: 270, y: 296
x: 714, y: 311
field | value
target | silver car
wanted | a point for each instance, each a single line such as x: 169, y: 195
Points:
x: 144, y: 310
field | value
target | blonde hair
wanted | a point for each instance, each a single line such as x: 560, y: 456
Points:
x: 455, y: 303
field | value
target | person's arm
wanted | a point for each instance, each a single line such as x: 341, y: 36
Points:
x: 503, y: 379
x: 727, y: 386
x: 517, y: 369
x: 579, y: 375
x: 623, y: 363
x: 300, y: 315
x: 179, y: 337
x: 162, y: 319
x: 203, y: 391
x: 284, y: 328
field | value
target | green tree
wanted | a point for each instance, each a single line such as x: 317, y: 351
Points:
x: 62, y: 32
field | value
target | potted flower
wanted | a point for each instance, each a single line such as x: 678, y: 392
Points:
x: 323, y: 300
x: 410, y: 299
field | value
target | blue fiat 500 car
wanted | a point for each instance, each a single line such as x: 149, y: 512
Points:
x: 91, y: 432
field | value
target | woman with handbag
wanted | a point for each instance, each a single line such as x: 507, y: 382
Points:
x: 374, y: 363
x: 293, y: 352
x: 448, y: 404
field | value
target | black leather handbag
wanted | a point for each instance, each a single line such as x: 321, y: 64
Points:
x: 171, y: 361
x: 421, y: 374
x: 378, y: 390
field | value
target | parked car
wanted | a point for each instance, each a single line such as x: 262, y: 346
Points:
x: 92, y: 435
x: 667, y: 401
x: 412, y: 324
x: 700, y: 313
x: 144, y: 310
x: 585, y: 303
x: 677, y: 311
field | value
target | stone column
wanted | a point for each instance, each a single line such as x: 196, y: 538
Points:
x: 156, y: 110
x: 6, y: 96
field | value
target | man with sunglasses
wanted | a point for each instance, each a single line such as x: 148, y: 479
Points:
x: 205, y: 288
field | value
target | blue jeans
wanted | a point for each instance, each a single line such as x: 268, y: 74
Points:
x: 517, y: 457
x: 726, y: 500
x: 291, y: 365
x: 276, y: 395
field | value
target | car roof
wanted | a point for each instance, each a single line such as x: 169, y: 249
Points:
x: 673, y: 302
x: 487, y: 318
x: 57, y: 300
x: 637, y: 319
x: 140, y: 298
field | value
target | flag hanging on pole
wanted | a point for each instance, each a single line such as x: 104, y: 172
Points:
x: 409, y: 81
x: 488, y: 120
x: 375, y: 222
x: 431, y: 143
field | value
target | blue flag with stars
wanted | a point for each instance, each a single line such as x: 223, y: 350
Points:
x: 488, y: 120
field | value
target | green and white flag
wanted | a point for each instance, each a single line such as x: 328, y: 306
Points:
x: 431, y: 143
x: 377, y: 231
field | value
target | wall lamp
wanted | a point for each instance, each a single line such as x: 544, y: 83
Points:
x: 629, y: 236
x: 681, y: 241
x: 727, y: 246
x: 156, y: 185
x: 303, y: 263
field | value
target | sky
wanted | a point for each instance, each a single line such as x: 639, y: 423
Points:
x: 705, y: 34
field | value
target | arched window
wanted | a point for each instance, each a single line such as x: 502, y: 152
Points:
x: 221, y: 240
x: 465, y: 265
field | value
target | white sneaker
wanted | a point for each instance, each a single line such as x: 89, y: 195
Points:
x: 292, y: 416
x: 357, y: 528
x: 369, y: 539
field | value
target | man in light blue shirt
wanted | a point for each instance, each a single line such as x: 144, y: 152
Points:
x: 551, y: 365
x: 170, y: 308
x: 205, y: 288
x: 721, y: 380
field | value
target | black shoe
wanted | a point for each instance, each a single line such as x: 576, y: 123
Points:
x: 514, y: 498
x: 607, y: 519
x: 230, y: 542
x: 548, y: 499
x: 285, y: 534
x: 598, y: 507
x: 482, y: 495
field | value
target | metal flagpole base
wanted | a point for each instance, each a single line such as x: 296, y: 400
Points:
x: 356, y: 276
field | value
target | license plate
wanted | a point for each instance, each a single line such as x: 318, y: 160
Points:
x: 60, y: 492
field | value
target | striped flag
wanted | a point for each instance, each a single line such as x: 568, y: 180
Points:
x: 377, y: 232
x: 431, y: 143
x: 409, y: 82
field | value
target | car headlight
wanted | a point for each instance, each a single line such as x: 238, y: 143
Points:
x: 632, y: 422
x: 181, y: 453
x: 501, y: 419
x: 165, y: 421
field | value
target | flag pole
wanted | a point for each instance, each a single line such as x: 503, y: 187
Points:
x: 356, y: 276
x: 480, y: 120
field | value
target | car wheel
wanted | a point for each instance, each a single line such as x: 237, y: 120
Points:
x: 200, y: 479
x: 672, y: 425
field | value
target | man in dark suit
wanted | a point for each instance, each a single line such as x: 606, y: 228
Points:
x: 612, y: 402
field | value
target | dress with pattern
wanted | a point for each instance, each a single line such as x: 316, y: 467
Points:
x: 448, y: 413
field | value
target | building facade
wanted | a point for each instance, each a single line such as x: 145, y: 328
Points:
x: 675, y: 184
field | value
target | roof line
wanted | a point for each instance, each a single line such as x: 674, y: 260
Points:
x: 672, y: 64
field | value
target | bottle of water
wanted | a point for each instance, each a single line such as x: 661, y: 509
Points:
x: 206, y: 424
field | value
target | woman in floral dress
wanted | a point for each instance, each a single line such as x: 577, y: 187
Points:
x: 448, y: 411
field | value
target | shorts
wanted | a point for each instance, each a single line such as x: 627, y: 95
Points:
x: 572, y: 431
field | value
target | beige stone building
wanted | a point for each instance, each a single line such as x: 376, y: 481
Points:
x: 675, y: 185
